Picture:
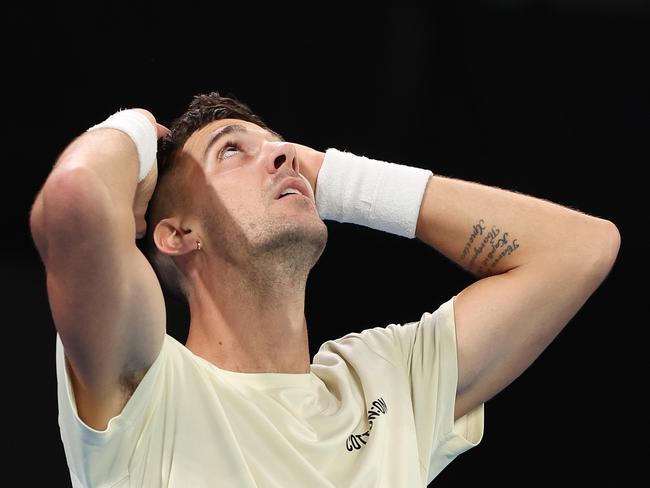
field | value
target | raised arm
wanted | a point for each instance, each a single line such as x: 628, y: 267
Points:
x: 538, y: 261
x: 105, y: 299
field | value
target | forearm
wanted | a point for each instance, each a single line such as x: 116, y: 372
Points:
x: 115, y: 159
x: 488, y: 230
x: 94, y: 177
x: 109, y: 155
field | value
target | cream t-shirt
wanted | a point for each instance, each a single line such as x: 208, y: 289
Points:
x: 376, y: 410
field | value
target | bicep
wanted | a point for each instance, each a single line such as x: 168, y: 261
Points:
x: 105, y: 300
x: 504, y: 322
x: 108, y: 311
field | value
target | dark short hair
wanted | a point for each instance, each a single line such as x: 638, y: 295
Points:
x: 203, y: 109
x: 170, y: 193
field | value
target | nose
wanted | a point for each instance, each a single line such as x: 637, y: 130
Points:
x: 281, y: 153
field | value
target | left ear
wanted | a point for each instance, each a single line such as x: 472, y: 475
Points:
x: 173, y: 239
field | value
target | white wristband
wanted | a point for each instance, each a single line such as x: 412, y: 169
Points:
x: 137, y: 126
x: 377, y: 194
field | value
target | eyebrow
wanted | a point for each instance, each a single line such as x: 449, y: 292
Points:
x: 230, y: 129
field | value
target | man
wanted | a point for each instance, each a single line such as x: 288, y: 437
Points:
x: 234, y: 227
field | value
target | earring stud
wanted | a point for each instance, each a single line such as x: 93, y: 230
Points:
x: 198, y: 245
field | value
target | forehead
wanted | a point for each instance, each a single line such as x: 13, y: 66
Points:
x: 200, y: 138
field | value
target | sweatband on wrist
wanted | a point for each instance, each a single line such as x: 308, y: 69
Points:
x: 377, y: 194
x: 137, y: 126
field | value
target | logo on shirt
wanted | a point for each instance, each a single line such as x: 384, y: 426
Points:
x: 357, y: 441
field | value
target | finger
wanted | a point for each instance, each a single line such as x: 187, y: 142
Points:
x: 141, y: 229
x: 161, y: 130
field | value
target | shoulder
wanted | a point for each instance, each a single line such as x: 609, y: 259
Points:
x: 395, y: 341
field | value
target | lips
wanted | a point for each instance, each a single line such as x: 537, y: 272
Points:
x: 296, y: 184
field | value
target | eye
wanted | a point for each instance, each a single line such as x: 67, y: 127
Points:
x: 230, y: 149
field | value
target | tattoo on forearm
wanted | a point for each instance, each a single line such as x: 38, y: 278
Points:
x: 477, y: 229
x: 497, y: 244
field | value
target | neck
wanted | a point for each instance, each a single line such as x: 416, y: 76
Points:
x: 250, y: 320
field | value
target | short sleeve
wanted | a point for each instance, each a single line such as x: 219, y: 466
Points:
x: 427, y: 350
x: 430, y: 353
x: 101, y: 458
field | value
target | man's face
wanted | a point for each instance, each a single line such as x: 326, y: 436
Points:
x: 239, y: 174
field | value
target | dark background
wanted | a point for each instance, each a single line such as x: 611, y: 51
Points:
x: 548, y: 98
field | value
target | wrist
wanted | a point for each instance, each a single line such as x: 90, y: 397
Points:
x: 377, y: 194
x: 139, y: 128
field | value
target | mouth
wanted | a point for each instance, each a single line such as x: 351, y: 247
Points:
x: 293, y: 187
x: 287, y: 194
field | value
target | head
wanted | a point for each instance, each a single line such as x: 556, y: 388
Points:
x: 219, y: 173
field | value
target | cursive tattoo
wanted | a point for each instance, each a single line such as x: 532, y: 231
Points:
x: 477, y: 229
x: 491, y: 246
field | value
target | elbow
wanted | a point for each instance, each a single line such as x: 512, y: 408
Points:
x: 70, y: 199
x: 613, y: 245
x: 606, y: 252
x: 36, y: 226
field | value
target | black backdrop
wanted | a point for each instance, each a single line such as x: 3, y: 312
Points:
x: 548, y: 98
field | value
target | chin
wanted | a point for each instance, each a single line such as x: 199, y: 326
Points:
x: 294, y: 238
